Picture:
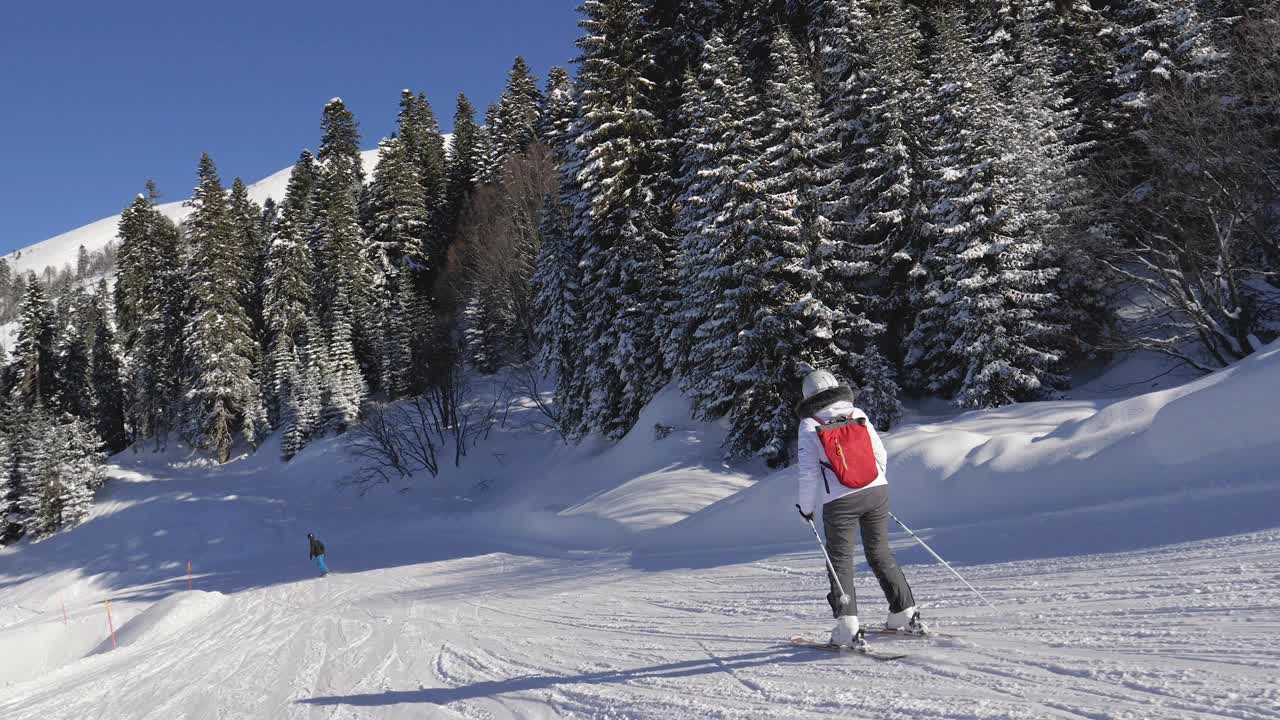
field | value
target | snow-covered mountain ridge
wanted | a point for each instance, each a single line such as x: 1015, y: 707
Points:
x: 61, y: 249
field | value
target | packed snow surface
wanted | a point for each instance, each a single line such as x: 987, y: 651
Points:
x: 1131, y: 547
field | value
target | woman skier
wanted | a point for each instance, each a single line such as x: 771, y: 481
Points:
x: 842, y: 459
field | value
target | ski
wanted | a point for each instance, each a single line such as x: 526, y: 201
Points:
x: 844, y: 650
x: 886, y: 632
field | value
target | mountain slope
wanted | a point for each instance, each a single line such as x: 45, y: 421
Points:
x: 547, y: 594
x: 62, y: 249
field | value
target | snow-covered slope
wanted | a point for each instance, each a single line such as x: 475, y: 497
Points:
x: 62, y: 249
x: 1131, y: 547
x: 1193, y: 461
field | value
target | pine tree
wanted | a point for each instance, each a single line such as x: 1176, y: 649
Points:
x: 983, y: 334
x: 515, y: 120
x: 397, y: 354
x: 878, y: 205
x: 222, y: 396
x: 35, y: 469
x: 464, y: 160
x: 420, y: 134
x: 482, y: 333
x: 63, y: 467
x: 399, y: 226
x: 718, y: 201
x: 290, y: 386
x: 74, y: 391
x: 288, y: 290
x: 12, y: 524
x: 34, y: 353
x: 565, y: 126
x: 82, y: 470
x: 399, y: 221
x: 1160, y: 41
x: 558, y: 108
x: 344, y: 388
x: 344, y: 262
x: 248, y: 232
x: 107, y: 393
x: 83, y: 263
x: 787, y: 323
x: 151, y: 292
x: 622, y: 248
x: 555, y: 288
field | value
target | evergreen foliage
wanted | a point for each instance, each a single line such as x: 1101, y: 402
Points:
x: 727, y: 194
x: 222, y: 397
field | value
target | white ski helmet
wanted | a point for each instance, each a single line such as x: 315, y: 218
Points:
x: 817, y: 381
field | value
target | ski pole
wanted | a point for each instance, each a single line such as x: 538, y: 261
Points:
x: 938, y: 557
x: 844, y: 597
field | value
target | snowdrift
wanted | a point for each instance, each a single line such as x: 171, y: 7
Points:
x: 165, y: 619
x: 1189, y: 462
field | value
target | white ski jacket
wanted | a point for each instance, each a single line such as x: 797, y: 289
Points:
x: 813, y: 484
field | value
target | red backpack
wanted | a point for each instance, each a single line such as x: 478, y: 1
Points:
x: 847, y: 443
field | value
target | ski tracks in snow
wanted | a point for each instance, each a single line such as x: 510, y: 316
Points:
x: 1187, y: 631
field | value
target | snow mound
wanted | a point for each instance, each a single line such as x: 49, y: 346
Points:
x: 1170, y: 453
x: 658, y: 486
x: 166, y: 618
x: 45, y: 644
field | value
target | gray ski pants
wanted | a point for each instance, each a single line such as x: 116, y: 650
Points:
x: 841, y: 519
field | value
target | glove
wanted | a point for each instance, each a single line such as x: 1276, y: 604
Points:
x: 807, y: 516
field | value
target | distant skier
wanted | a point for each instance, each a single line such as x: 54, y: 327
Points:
x: 317, y: 554
x: 841, y: 457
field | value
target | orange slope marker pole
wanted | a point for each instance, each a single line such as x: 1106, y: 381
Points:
x: 110, y: 624
x: 64, y: 610
x: 188, y: 574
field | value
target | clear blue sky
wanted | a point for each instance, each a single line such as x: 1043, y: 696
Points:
x: 97, y: 96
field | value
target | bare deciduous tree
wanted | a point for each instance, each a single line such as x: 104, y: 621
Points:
x: 1202, y: 235
x: 497, y: 251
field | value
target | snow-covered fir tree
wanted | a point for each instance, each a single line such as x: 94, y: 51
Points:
x: 343, y: 386
x: 875, y: 118
x: 35, y: 358
x: 785, y: 323
x: 74, y: 391
x: 289, y: 289
x: 107, y: 392
x: 419, y: 131
x: 555, y: 287
x: 717, y: 205
x: 561, y: 354
x: 12, y: 523
x: 398, y: 230
x: 984, y: 336
x: 62, y: 467
x: 399, y: 218
x: 463, y: 165
x: 222, y: 398
x: 621, y: 263
x: 254, y: 241
x: 344, y: 262
x: 489, y: 147
x: 514, y: 122
x: 557, y: 108
x: 151, y: 312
